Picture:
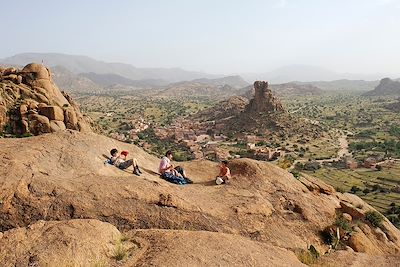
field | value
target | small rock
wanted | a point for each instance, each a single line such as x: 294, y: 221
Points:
x: 23, y: 109
x: 347, y: 217
x: 40, y: 124
x: 70, y: 120
x: 380, y: 235
x: 25, y: 126
x: 33, y: 105
x: 347, y: 248
x: 57, y: 126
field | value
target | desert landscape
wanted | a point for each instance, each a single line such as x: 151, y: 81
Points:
x: 200, y: 133
x: 61, y: 205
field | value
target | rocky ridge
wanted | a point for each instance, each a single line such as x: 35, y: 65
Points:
x: 30, y: 103
x: 61, y: 189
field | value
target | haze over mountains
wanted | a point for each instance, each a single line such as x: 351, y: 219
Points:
x: 92, y: 68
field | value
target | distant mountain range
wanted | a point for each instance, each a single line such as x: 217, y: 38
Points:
x: 304, y: 73
x: 84, y: 74
x: 84, y: 64
x: 343, y: 85
x: 235, y: 81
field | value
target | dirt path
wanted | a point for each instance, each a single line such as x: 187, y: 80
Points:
x: 343, y: 151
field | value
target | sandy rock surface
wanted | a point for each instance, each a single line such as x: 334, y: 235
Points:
x: 63, y: 243
x: 62, y: 176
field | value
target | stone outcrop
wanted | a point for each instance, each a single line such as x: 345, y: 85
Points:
x: 65, y: 243
x: 30, y: 103
x: 263, y: 100
x: 265, y: 115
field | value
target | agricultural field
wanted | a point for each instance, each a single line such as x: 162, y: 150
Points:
x: 366, y: 117
x: 372, y: 131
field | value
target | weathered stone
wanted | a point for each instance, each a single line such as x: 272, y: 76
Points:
x: 263, y: 100
x: 71, y: 121
x: 26, y: 93
x: 65, y: 243
x: 83, y: 126
x: 347, y: 217
x: 39, y: 71
x: 34, y: 85
x: 52, y: 112
x: 361, y: 243
x: 19, y: 79
x: 41, y: 98
x: 316, y: 185
x: 23, y: 109
x: 9, y: 71
x: 3, y: 117
x: 25, y: 126
x: 41, y: 105
x: 41, y: 91
x: 39, y: 124
x: 380, y: 235
x: 33, y: 105
x: 56, y: 126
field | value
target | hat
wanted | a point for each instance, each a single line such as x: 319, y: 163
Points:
x: 219, y: 180
x: 124, y: 153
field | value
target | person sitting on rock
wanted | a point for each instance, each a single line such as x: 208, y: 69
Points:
x: 224, y: 175
x: 121, y: 162
x: 170, y: 173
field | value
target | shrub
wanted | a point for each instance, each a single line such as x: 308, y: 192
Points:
x: 343, y: 224
x: 308, y: 256
x: 295, y: 173
x: 340, y: 189
x: 120, y: 252
x: 374, y: 218
x: 299, y: 166
x: 354, y: 189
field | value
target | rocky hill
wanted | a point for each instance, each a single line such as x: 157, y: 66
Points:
x: 263, y: 114
x: 385, y: 87
x: 61, y: 206
x: 30, y: 103
x: 73, y: 83
x: 189, y: 89
x: 343, y: 85
x: 293, y: 89
x: 233, y: 106
x: 236, y: 81
x: 284, y: 90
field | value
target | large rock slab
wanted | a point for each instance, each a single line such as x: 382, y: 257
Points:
x: 198, y: 248
x: 64, y: 243
x: 52, y: 112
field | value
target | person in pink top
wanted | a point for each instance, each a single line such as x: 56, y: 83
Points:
x: 169, y: 172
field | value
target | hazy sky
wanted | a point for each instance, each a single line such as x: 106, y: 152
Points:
x: 219, y: 36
